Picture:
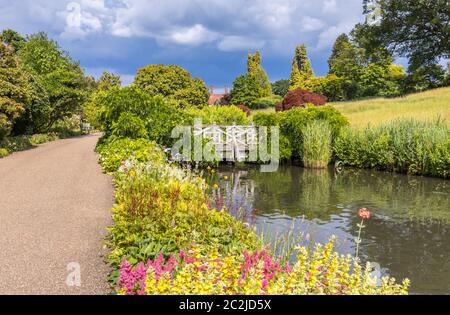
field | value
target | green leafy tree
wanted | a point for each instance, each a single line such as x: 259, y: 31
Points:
x: 280, y: 87
x: 156, y: 113
x: 12, y: 38
x: 419, y: 30
x: 424, y: 78
x: 254, y: 68
x: 172, y: 82
x: 345, y: 57
x: 301, y: 68
x: 59, y: 83
x: 246, y: 90
x: 14, y: 94
x: 108, y: 80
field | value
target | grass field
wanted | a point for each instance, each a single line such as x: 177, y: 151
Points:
x: 421, y: 106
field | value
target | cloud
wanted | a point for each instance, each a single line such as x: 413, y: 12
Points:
x: 194, y: 35
x: 329, y: 6
x: 231, y: 26
x: 80, y: 23
x: 312, y: 24
x: 206, y: 37
x: 237, y: 43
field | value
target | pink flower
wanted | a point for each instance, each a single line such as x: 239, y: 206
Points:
x: 364, y: 213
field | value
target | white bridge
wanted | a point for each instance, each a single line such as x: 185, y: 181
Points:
x: 233, y: 142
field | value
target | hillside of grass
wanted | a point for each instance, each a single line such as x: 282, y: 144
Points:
x: 421, y: 106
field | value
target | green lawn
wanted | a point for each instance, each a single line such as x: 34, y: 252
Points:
x: 422, y: 106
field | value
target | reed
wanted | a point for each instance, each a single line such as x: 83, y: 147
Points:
x: 317, y: 140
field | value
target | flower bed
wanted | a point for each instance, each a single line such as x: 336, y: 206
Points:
x: 167, y: 240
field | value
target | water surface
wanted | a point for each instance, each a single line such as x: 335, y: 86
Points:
x: 408, y: 234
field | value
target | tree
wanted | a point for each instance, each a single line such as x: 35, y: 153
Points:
x: 345, y: 57
x: 246, y: 89
x: 301, y: 67
x: 254, y: 68
x: 12, y: 38
x: 14, y: 94
x: 424, y: 78
x: 154, y: 112
x: 108, y: 80
x: 172, y: 82
x: 59, y: 84
x: 419, y: 30
x: 280, y: 87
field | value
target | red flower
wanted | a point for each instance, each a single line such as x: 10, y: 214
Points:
x: 364, y: 214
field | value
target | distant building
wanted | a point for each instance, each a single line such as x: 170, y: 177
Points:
x: 218, y: 98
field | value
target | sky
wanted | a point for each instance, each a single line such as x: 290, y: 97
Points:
x: 209, y: 38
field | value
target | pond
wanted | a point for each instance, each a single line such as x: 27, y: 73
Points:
x: 408, y: 234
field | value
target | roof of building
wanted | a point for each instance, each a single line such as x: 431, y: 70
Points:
x: 214, y: 98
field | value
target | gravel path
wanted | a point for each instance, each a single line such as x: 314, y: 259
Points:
x: 54, y: 209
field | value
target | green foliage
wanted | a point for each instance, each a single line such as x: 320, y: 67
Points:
x: 301, y: 68
x: 220, y: 115
x: 3, y: 152
x: 12, y: 38
x: 332, y: 86
x: 58, y: 84
x: 25, y: 142
x: 129, y: 126
x: 174, y: 83
x: 253, y: 85
x: 292, y: 123
x: 162, y: 208
x: 376, y: 80
x: 418, y: 30
x: 107, y: 81
x: 424, y: 78
x: 266, y: 102
x: 246, y: 90
x: 345, y: 57
x: 14, y: 94
x: 317, y: 141
x: 114, y: 151
x: 158, y: 116
x: 255, y: 68
x: 403, y: 146
x: 280, y: 87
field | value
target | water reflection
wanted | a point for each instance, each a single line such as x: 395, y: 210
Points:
x: 408, y: 235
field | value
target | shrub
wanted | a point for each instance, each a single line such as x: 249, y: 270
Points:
x: 403, y: 146
x: 129, y: 125
x: 266, y: 119
x: 3, y: 152
x: 320, y: 271
x: 158, y: 116
x: 293, y: 122
x: 163, y: 208
x: 300, y: 98
x: 317, y: 142
x: 114, y: 151
x: 266, y: 102
x: 273, y: 119
x: 42, y: 138
x: 331, y: 86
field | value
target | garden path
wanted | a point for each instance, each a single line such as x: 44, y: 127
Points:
x: 54, y: 209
